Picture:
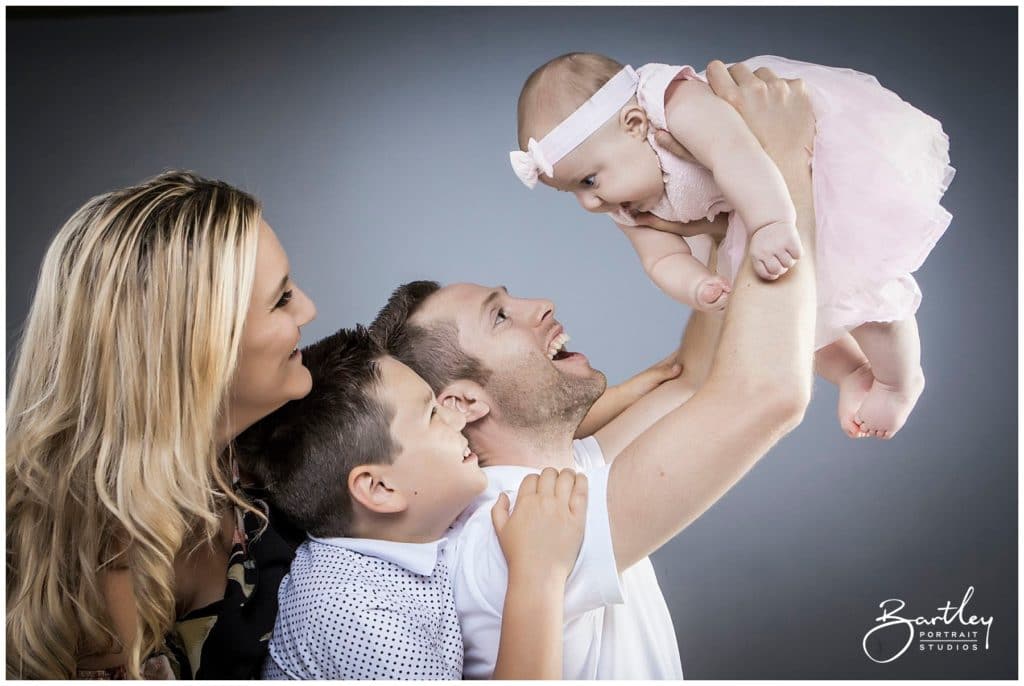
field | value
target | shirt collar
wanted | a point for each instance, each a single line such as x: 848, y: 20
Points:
x: 418, y: 558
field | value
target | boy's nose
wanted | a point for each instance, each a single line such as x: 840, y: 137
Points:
x: 454, y: 418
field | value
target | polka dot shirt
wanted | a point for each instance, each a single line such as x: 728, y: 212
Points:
x: 366, y: 609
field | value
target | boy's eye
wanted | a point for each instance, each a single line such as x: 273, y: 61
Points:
x: 500, y: 317
x: 589, y: 181
x: 286, y: 298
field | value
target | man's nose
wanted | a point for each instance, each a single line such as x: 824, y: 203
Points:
x: 542, y: 309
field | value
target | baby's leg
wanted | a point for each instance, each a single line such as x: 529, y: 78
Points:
x: 844, y: 364
x: 894, y: 351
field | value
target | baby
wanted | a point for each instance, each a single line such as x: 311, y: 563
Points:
x: 587, y: 126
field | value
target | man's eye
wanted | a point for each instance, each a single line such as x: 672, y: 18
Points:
x: 286, y: 298
x: 589, y: 181
x: 500, y: 317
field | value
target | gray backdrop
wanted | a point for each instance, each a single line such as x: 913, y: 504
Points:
x: 377, y: 139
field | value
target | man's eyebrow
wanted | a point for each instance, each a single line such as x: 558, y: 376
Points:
x: 491, y: 298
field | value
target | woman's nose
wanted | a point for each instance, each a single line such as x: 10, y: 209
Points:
x: 307, y: 309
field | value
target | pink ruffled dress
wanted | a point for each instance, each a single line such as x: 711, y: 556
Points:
x: 880, y: 167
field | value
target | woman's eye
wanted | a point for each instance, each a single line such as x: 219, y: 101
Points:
x: 590, y: 180
x: 500, y: 317
x: 433, y: 411
x: 286, y: 298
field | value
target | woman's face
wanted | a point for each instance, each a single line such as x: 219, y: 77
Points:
x: 270, y: 370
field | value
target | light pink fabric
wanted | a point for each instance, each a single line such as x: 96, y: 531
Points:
x: 880, y: 168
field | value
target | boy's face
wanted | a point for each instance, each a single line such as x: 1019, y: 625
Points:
x: 433, y: 471
x: 616, y: 168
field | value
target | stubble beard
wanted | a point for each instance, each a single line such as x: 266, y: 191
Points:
x: 548, y: 402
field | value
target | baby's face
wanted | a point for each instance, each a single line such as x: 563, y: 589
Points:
x: 613, y: 169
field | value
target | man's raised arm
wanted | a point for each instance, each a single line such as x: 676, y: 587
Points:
x: 760, y: 379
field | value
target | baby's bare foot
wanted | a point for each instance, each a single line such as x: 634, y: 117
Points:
x: 886, y: 407
x: 852, y: 391
x: 774, y: 249
x: 712, y: 294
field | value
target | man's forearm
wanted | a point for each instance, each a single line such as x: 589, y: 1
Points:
x: 756, y: 391
x: 768, y: 333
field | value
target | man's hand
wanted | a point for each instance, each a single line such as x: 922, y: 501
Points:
x: 778, y: 111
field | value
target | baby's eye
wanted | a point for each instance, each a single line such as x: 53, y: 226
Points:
x: 500, y: 317
x: 589, y: 181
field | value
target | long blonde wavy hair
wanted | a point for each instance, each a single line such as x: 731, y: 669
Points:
x: 119, y: 387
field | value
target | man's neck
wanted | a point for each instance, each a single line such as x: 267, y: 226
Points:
x: 525, y: 447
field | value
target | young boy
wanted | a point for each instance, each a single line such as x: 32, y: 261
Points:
x: 376, y: 471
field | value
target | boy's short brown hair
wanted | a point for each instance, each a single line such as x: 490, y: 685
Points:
x: 304, y: 451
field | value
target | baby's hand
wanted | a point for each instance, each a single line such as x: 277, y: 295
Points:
x: 774, y: 249
x: 542, y: 536
x: 712, y: 294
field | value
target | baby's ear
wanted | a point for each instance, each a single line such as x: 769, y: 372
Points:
x: 468, y: 397
x: 370, y: 486
x: 633, y: 121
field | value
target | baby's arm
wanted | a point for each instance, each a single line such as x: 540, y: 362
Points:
x: 672, y: 267
x: 718, y: 138
x: 541, y: 540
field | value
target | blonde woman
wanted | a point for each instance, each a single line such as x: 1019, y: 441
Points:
x: 165, y: 323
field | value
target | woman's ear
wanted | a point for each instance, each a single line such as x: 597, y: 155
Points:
x: 468, y: 397
x: 633, y: 120
x: 369, y: 485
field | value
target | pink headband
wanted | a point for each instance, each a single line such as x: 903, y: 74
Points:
x: 564, y: 138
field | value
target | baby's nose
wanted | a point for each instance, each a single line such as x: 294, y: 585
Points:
x: 590, y: 202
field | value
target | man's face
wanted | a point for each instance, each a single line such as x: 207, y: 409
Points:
x: 534, y: 378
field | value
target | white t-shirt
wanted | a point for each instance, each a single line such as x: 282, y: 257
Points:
x: 616, y: 626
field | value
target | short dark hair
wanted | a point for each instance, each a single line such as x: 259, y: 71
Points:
x: 433, y: 350
x: 304, y: 451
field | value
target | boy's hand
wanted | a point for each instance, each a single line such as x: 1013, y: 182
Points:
x: 542, y: 536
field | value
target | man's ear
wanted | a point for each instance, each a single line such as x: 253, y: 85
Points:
x: 370, y: 487
x: 468, y: 397
x: 633, y: 120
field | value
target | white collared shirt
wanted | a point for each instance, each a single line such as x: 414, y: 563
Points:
x: 616, y: 626
x: 358, y: 608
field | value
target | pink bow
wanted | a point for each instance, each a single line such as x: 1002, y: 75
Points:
x: 528, y: 165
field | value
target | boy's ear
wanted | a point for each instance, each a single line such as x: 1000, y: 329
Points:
x: 468, y: 397
x: 369, y: 485
x: 633, y: 120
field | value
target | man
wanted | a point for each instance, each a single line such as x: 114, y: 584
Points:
x: 653, y: 470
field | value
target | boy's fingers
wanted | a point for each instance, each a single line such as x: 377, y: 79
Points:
x: 578, y: 499
x: 528, y: 485
x: 564, y: 483
x: 546, y: 484
x: 499, y: 513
